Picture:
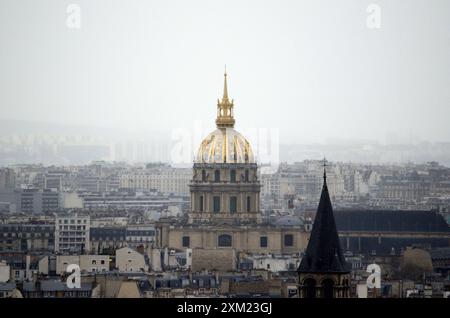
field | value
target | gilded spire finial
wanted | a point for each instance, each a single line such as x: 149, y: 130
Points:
x: 225, y: 86
x: 225, y: 116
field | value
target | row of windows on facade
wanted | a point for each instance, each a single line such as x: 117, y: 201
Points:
x: 179, y: 182
x: 72, y: 227
x: 216, y: 204
x: 19, y: 235
x: 93, y: 262
x: 226, y: 240
x: 72, y: 233
x: 20, y: 228
x: 106, y: 236
x: 63, y: 294
x: 71, y: 240
x: 128, y: 239
x: 232, y: 175
x: 29, y: 204
x: 36, y: 242
x: 71, y: 245
x: 72, y: 221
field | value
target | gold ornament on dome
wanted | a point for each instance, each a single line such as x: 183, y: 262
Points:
x: 225, y: 145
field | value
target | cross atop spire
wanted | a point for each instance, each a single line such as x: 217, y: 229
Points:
x: 324, y: 171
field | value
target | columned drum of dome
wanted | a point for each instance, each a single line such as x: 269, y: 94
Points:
x: 225, y: 188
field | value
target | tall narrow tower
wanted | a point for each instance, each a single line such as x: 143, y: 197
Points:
x: 225, y: 188
x: 323, y: 271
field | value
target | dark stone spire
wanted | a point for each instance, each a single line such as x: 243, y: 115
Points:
x: 324, y: 253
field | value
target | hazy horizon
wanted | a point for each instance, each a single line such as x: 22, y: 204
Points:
x: 312, y: 69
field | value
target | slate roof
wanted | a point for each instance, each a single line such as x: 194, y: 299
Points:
x: 7, y: 287
x: 54, y: 285
x: 27, y: 228
x: 390, y: 221
x: 113, y: 233
x: 288, y: 221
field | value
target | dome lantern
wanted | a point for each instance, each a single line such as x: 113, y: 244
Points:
x: 225, y: 116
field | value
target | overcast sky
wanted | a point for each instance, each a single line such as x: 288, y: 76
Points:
x: 313, y: 69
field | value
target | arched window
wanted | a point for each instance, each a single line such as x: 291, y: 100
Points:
x: 225, y: 240
x: 310, y: 288
x: 327, y: 287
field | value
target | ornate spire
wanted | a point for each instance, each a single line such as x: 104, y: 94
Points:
x: 323, y: 253
x: 225, y: 116
x: 324, y: 171
x: 225, y: 86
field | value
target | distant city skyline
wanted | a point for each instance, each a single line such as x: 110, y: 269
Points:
x: 313, y: 70
x: 23, y: 142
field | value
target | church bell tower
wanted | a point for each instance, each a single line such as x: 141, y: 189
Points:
x: 323, y: 271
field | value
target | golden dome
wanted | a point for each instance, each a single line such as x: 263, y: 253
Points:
x: 225, y: 145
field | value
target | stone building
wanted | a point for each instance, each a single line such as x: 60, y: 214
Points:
x: 26, y: 237
x: 129, y: 260
x: 72, y: 233
x: 162, y: 178
x: 7, y: 179
x: 225, y: 198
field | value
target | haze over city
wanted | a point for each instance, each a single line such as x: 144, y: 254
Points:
x: 157, y: 66
x: 224, y: 156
